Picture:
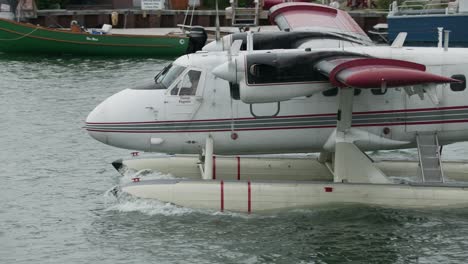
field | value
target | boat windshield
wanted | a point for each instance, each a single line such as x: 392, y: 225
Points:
x: 166, y: 77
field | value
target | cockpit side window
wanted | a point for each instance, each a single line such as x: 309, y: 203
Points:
x: 175, y: 90
x: 188, y: 85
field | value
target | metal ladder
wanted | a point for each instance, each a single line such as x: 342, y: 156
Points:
x: 429, y: 157
x: 244, y: 17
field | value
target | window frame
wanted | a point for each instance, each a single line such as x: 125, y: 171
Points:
x: 458, y: 87
x: 378, y: 91
x: 335, y: 90
x: 330, y: 92
x: 180, y: 79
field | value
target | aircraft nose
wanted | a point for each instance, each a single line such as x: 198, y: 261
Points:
x: 113, y: 117
x: 95, y: 119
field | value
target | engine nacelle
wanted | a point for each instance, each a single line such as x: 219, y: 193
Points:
x: 273, y: 77
x: 265, y: 77
x: 275, y: 92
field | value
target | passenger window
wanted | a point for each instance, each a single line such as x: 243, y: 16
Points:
x: 330, y: 92
x: 175, y: 90
x: 379, y: 91
x: 334, y: 92
x: 188, y: 85
x: 458, y: 87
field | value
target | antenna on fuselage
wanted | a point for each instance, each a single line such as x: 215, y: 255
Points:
x: 218, y: 31
x: 249, y: 41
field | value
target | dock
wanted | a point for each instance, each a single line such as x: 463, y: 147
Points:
x: 137, y: 18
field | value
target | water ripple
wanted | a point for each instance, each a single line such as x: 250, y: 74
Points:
x: 54, y: 176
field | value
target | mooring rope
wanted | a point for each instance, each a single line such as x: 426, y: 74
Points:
x: 23, y: 36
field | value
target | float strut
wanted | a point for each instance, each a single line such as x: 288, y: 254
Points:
x: 208, y: 171
x: 351, y: 164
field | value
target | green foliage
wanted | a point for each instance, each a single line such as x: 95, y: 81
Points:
x: 47, y: 4
x: 383, y: 4
x: 210, y: 4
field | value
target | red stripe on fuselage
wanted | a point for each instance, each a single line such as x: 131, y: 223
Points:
x: 208, y: 120
x: 413, y: 110
x: 290, y: 116
x: 280, y: 128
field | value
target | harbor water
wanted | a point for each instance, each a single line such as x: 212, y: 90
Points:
x: 55, y: 205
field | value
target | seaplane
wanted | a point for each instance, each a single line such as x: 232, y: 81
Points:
x: 317, y: 85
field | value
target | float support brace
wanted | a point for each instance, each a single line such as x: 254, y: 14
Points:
x: 351, y: 164
x: 208, y: 171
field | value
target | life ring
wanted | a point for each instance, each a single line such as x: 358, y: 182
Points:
x: 114, y: 18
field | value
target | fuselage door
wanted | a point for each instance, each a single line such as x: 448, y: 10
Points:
x: 422, y: 114
x: 184, y: 97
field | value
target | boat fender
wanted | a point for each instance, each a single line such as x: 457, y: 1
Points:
x: 115, y: 18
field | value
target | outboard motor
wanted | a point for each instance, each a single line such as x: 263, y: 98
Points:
x: 197, y: 39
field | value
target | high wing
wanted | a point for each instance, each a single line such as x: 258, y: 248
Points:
x: 361, y: 72
x: 341, y: 69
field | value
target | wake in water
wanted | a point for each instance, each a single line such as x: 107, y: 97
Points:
x: 451, y: 152
x: 116, y: 200
x: 126, y: 204
x: 400, y: 154
x: 127, y: 175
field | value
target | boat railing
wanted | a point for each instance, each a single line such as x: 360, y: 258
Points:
x: 423, y: 7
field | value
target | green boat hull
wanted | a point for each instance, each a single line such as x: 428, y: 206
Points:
x: 29, y: 39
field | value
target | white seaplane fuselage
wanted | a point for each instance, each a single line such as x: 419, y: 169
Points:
x: 153, y: 120
x: 266, y: 100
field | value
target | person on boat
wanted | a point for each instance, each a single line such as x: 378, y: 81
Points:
x: 75, y: 27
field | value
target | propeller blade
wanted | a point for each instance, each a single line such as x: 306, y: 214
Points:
x: 236, y: 47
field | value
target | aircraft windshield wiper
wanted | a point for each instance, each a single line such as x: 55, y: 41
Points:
x: 160, y: 75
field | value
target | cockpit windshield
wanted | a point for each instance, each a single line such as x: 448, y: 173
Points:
x: 166, y: 77
x: 163, y: 79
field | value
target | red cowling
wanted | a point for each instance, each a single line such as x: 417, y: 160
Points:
x: 375, y: 77
x: 375, y: 73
